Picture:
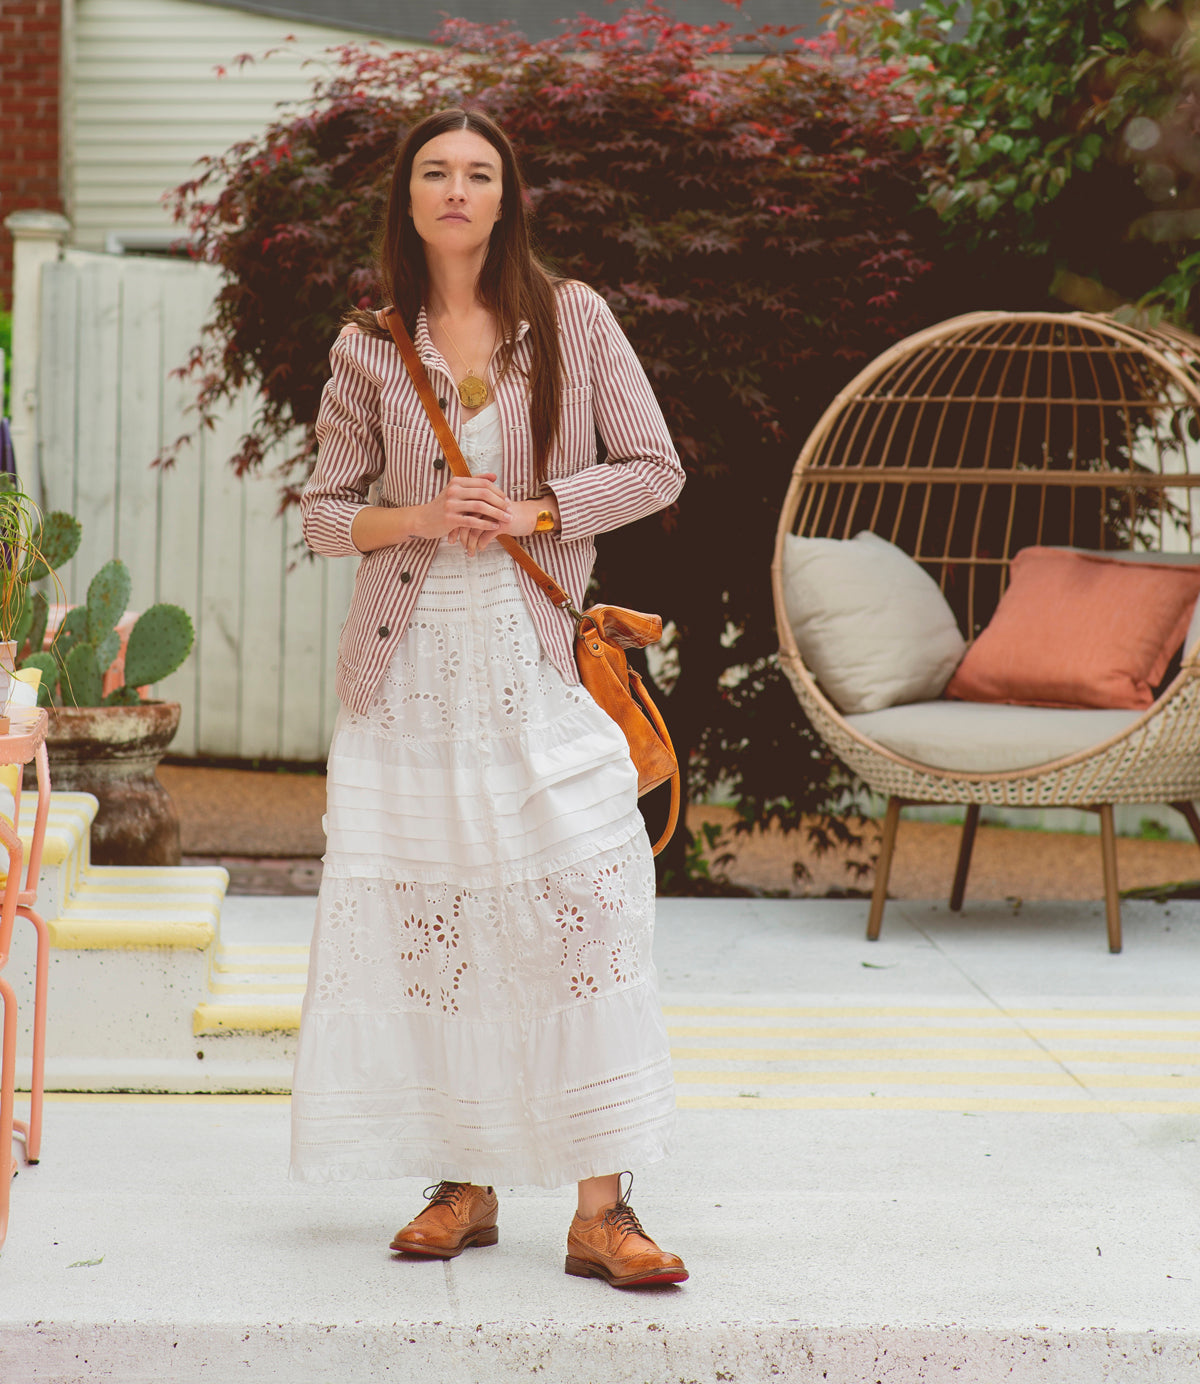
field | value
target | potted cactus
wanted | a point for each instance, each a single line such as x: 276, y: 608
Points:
x: 109, y: 742
x: 32, y: 548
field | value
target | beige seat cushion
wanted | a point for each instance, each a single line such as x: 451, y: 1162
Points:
x: 871, y: 624
x: 986, y: 738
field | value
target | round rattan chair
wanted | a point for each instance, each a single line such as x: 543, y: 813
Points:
x: 974, y: 439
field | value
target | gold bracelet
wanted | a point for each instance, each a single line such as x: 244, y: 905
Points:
x: 545, y: 521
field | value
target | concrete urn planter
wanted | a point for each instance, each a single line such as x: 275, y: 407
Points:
x: 113, y: 752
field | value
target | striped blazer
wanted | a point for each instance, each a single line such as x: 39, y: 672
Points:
x: 371, y: 428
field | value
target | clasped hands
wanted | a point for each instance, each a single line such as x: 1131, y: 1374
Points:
x: 474, y: 510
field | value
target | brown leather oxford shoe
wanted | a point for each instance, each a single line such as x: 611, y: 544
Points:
x: 612, y: 1245
x: 459, y: 1215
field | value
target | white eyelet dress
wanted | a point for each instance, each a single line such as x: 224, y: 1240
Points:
x: 482, y: 1004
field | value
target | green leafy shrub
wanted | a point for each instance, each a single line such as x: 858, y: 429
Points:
x: 1064, y: 134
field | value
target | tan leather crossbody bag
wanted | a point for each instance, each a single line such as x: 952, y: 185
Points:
x: 602, y: 632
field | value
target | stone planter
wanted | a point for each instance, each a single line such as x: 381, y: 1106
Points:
x: 113, y: 752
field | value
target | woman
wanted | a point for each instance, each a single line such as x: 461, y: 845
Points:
x: 481, y: 1003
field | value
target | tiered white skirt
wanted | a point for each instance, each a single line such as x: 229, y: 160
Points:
x: 481, y: 1003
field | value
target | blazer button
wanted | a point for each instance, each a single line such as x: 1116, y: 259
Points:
x: 439, y: 463
x: 384, y: 631
x: 441, y: 403
x: 406, y: 577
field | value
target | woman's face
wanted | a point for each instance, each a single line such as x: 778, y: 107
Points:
x: 454, y: 192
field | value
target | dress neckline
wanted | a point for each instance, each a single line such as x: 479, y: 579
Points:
x: 481, y: 415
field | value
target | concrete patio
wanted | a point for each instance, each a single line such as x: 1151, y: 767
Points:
x: 967, y: 1152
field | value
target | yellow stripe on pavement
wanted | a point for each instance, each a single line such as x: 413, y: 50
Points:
x: 1001, y: 1029
x: 903, y: 1078
x: 926, y: 1012
x: 955, y: 1105
x: 849, y: 1053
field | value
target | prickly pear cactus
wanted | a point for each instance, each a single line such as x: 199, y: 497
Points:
x: 107, y: 649
x: 158, y: 644
x: 82, y: 681
x: 122, y: 696
x: 107, y: 597
x: 55, y: 540
x: 72, y: 630
x: 49, y: 668
x: 24, y: 621
x: 37, y: 628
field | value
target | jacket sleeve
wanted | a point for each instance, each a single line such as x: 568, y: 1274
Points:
x: 350, y: 453
x: 642, y: 473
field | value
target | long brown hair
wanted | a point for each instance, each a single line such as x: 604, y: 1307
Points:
x: 513, y: 283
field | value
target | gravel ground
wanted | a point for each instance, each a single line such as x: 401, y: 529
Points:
x: 267, y: 826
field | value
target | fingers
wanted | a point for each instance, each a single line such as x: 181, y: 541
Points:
x: 475, y: 503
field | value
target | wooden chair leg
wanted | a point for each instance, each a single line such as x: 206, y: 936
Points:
x: 966, y: 845
x: 1190, y: 816
x: 883, y: 867
x: 1112, y: 897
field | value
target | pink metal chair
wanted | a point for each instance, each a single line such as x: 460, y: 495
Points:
x: 25, y: 741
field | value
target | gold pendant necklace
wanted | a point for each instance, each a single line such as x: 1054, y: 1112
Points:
x: 471, y: 389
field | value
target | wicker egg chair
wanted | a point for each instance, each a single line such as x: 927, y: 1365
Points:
x: 974, y: 439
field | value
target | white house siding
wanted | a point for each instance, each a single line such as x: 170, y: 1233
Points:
x: 145, y: 101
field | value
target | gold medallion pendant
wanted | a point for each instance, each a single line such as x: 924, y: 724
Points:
x: 472, y: 391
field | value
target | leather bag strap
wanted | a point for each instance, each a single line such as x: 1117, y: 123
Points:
x: 390, y: 318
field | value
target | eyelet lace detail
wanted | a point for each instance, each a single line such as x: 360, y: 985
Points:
x: 482, y: 999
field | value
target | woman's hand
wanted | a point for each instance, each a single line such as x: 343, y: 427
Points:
x: 469, y: 507
x: 521, y: 521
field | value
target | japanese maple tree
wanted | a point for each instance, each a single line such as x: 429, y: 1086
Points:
x: 750, y: 219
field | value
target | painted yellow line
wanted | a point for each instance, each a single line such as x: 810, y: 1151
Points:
x: 965, y: 1105
x: 252, y: 986
x: 87, y: 936
x: 924, y: 1011
x: 1092, y: 1080
x: 232, y: 949
x: 847, y: 1053
x: 259, y: 968
x: 1001, y: 1030
x: 167, y: 1098
x: 953, y: 1105
x: 244, y: 1018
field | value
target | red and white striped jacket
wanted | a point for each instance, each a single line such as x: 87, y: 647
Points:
x: 371, y: 427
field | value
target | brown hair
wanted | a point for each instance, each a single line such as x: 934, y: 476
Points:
x: 513, y: 283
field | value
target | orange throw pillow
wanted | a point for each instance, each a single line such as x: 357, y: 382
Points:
x: 1077, y: 630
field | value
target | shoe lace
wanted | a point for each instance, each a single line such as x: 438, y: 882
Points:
x: 622, y: 1216
x: 445, y: 1193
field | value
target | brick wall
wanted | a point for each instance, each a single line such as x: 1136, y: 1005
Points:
x: 30, y: 76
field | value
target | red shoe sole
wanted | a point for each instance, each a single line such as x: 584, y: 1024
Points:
x: 581, y: 1268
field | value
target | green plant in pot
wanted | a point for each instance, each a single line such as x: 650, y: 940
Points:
x: 32, y: 548
x: 110, y: 743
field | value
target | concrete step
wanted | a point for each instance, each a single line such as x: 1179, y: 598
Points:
x: 129, y: 958
x: 249, y: 1018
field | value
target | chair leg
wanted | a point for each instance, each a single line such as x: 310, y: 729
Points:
x: 33, y: 1130
x: 1112, y: 897
x: 8, y: 1074
x: 883, y: 867
x: 1190, y: 815
x: 965, y: 846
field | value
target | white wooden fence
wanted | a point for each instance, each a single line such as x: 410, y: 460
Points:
x: 260, y: 680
